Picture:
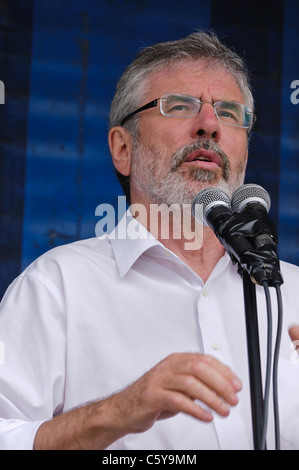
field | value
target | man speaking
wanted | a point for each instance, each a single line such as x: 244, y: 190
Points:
x: 140, y: 343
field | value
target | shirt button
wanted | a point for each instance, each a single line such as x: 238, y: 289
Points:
x: 205, y: 292
x: 216, y: 346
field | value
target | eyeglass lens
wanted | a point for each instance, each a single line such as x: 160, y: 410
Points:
x: 235, y: 114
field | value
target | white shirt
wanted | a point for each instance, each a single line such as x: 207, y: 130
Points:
x: 88, y: 318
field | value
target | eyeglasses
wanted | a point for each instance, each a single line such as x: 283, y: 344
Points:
x: 185, y: 106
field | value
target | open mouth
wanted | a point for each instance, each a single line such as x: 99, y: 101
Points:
x: 204, y: 159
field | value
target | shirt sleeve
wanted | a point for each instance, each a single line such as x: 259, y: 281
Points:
x: 17, y: 434
x: 32, y: 362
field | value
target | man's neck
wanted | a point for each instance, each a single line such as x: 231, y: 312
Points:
x: 195, y: 244
x: 202, y: 260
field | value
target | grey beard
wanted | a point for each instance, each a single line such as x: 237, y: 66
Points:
x: 173, y: 188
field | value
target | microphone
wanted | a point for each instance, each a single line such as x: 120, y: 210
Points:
x: 212, y: 207
x: 245, y: 230
x: 250, y: 194
x: 254, y: 201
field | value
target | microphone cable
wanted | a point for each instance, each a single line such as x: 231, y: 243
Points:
x: 265, y: 285
x: 268, y: 365
x: 275, y: 363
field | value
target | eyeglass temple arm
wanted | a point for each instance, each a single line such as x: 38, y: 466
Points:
x: 152, y: 104
x: 252, y: 124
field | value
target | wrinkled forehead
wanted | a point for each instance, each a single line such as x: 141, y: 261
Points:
x: 191, y: 77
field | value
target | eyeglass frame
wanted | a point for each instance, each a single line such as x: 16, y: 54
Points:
x: 154, y: 103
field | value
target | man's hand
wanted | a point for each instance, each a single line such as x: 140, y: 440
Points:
x: 178, y: 384
x: 184, y: 382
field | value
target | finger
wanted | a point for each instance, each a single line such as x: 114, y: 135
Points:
x: 180, y: 403
x: 180, y: 381
x: 198, y: 364
x: 294, y: 333
x: 206, y: 370
x: 197, y: 390
x: 218, y: 378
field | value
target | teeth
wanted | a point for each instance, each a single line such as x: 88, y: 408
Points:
x: 202, y: 159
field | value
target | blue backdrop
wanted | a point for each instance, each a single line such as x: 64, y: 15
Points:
x: 60, y: 62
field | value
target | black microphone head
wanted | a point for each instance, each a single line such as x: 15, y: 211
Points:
x: 206, y: 200
x: 250, y: 193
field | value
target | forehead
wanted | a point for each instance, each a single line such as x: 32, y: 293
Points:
x: 202, y: 79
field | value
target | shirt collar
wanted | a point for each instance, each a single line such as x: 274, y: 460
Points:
x: 129, y: 240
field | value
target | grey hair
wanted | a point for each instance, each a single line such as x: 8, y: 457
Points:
x: 199, y: 45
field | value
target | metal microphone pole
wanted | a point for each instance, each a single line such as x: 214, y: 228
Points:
x: 256, y: 388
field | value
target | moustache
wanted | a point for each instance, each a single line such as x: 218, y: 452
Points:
x: 207, y: 144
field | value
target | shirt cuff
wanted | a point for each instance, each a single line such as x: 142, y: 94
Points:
x: 18, y: 434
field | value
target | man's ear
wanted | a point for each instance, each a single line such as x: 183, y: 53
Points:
x: 120, y: 144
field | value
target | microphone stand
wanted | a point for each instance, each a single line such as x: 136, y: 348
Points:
x: 256, y: 389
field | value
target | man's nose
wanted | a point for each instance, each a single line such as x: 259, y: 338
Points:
x: 206, y: 123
